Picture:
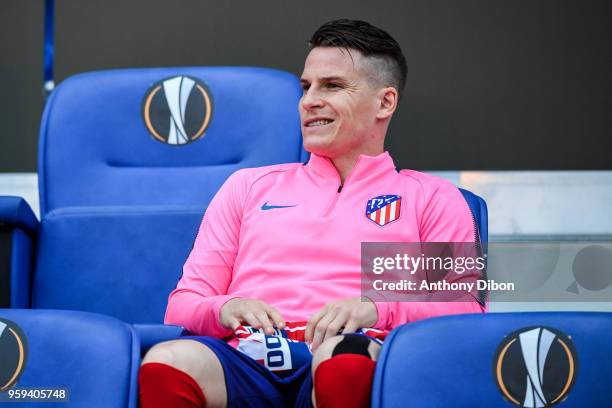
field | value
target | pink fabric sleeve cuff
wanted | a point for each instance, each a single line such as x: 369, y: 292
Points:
x: 212, y: 321
x: 382, y: 308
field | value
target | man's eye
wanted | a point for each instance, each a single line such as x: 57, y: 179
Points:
x: 305, y: 88
x: 332, y: 86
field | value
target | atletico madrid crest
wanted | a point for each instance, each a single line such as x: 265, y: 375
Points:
x: 383, y: 209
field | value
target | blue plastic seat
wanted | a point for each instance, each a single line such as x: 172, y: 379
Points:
x: 452, y: 361
x: 94, y: 357
x: 478, y: 207
x: 128, y: 162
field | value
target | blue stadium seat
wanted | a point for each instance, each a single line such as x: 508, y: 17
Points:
x: 128, y: 161
x: 478, y: 207
x: 453, y: 361
x: 94, y: 357
x: 480, y: 215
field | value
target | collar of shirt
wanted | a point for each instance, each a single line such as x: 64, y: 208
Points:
x: 366, y: 167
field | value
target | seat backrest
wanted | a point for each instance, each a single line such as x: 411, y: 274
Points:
x: 163, y: 136
x: 130, y: 159
x: 488, y: 360
x: 94, y: 358
x: 478, y: 207
x: 480, y: 215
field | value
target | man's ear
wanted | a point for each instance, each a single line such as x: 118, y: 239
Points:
x: 388, y: 98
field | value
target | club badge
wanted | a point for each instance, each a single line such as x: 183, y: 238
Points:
x: 383, y: 209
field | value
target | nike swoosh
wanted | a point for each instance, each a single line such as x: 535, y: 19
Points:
x: 266, y: 207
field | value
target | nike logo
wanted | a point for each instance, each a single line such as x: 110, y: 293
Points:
x: 266, y: 207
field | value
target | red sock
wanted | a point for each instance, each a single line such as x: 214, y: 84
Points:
x: 344, y: 380
x: 161, y: 386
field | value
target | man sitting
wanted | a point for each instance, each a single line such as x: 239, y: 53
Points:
x: 275, y: 269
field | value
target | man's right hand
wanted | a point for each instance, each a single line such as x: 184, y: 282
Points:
x: 253, y: 312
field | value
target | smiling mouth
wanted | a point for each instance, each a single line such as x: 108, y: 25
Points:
x: 320, y: 122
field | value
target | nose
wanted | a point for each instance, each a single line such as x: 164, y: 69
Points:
x: 311, y: 99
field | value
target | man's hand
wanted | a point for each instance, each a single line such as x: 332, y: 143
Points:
x: 251, y: 311
x: 350, y: 314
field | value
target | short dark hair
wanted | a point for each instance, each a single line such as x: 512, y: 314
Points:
x: 374, y: 43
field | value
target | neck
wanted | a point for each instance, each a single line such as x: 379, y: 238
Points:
x: 345, y: 164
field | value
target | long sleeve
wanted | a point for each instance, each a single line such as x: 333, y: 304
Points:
x: 446, y: 217
x: 202, y: 290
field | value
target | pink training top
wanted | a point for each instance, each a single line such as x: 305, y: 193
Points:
x: 290, y: 235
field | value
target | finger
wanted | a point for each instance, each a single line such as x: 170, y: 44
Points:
x: 334, y: 327
x: 276, y: 317
x: 266, y: 324
x: 321, y: 328
x: 312, y: 323
x: 351, y: 326
x: 252, y: 321
x: 233, y: 323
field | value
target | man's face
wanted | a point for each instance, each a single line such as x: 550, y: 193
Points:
x: 339, y: 105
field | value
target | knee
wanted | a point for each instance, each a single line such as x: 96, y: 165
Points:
x: 343, y: 369
x: 325, y: 350
x: 162, y: 353
x: 168, y: 352
x: 204, y: 375
x: 172, y: 375
x: 346, y: 344
x: 189, y: 356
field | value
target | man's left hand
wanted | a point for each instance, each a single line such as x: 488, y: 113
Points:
x: 350, y: 314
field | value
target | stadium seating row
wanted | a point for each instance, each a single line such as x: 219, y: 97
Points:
x: 453, y: 361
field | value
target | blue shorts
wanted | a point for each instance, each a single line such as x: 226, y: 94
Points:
x: 250, y: 384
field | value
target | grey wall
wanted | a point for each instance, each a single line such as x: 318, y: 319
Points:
x: 492, y: 85
x: 21, y: 98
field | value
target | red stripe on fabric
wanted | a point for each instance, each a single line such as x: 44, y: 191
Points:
x: 397, y: 208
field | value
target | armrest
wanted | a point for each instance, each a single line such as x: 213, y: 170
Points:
x: 18, y: 217
x: 16, y: 212
x: 151, y: 334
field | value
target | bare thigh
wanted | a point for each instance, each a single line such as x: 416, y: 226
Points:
x: 198, y: 361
